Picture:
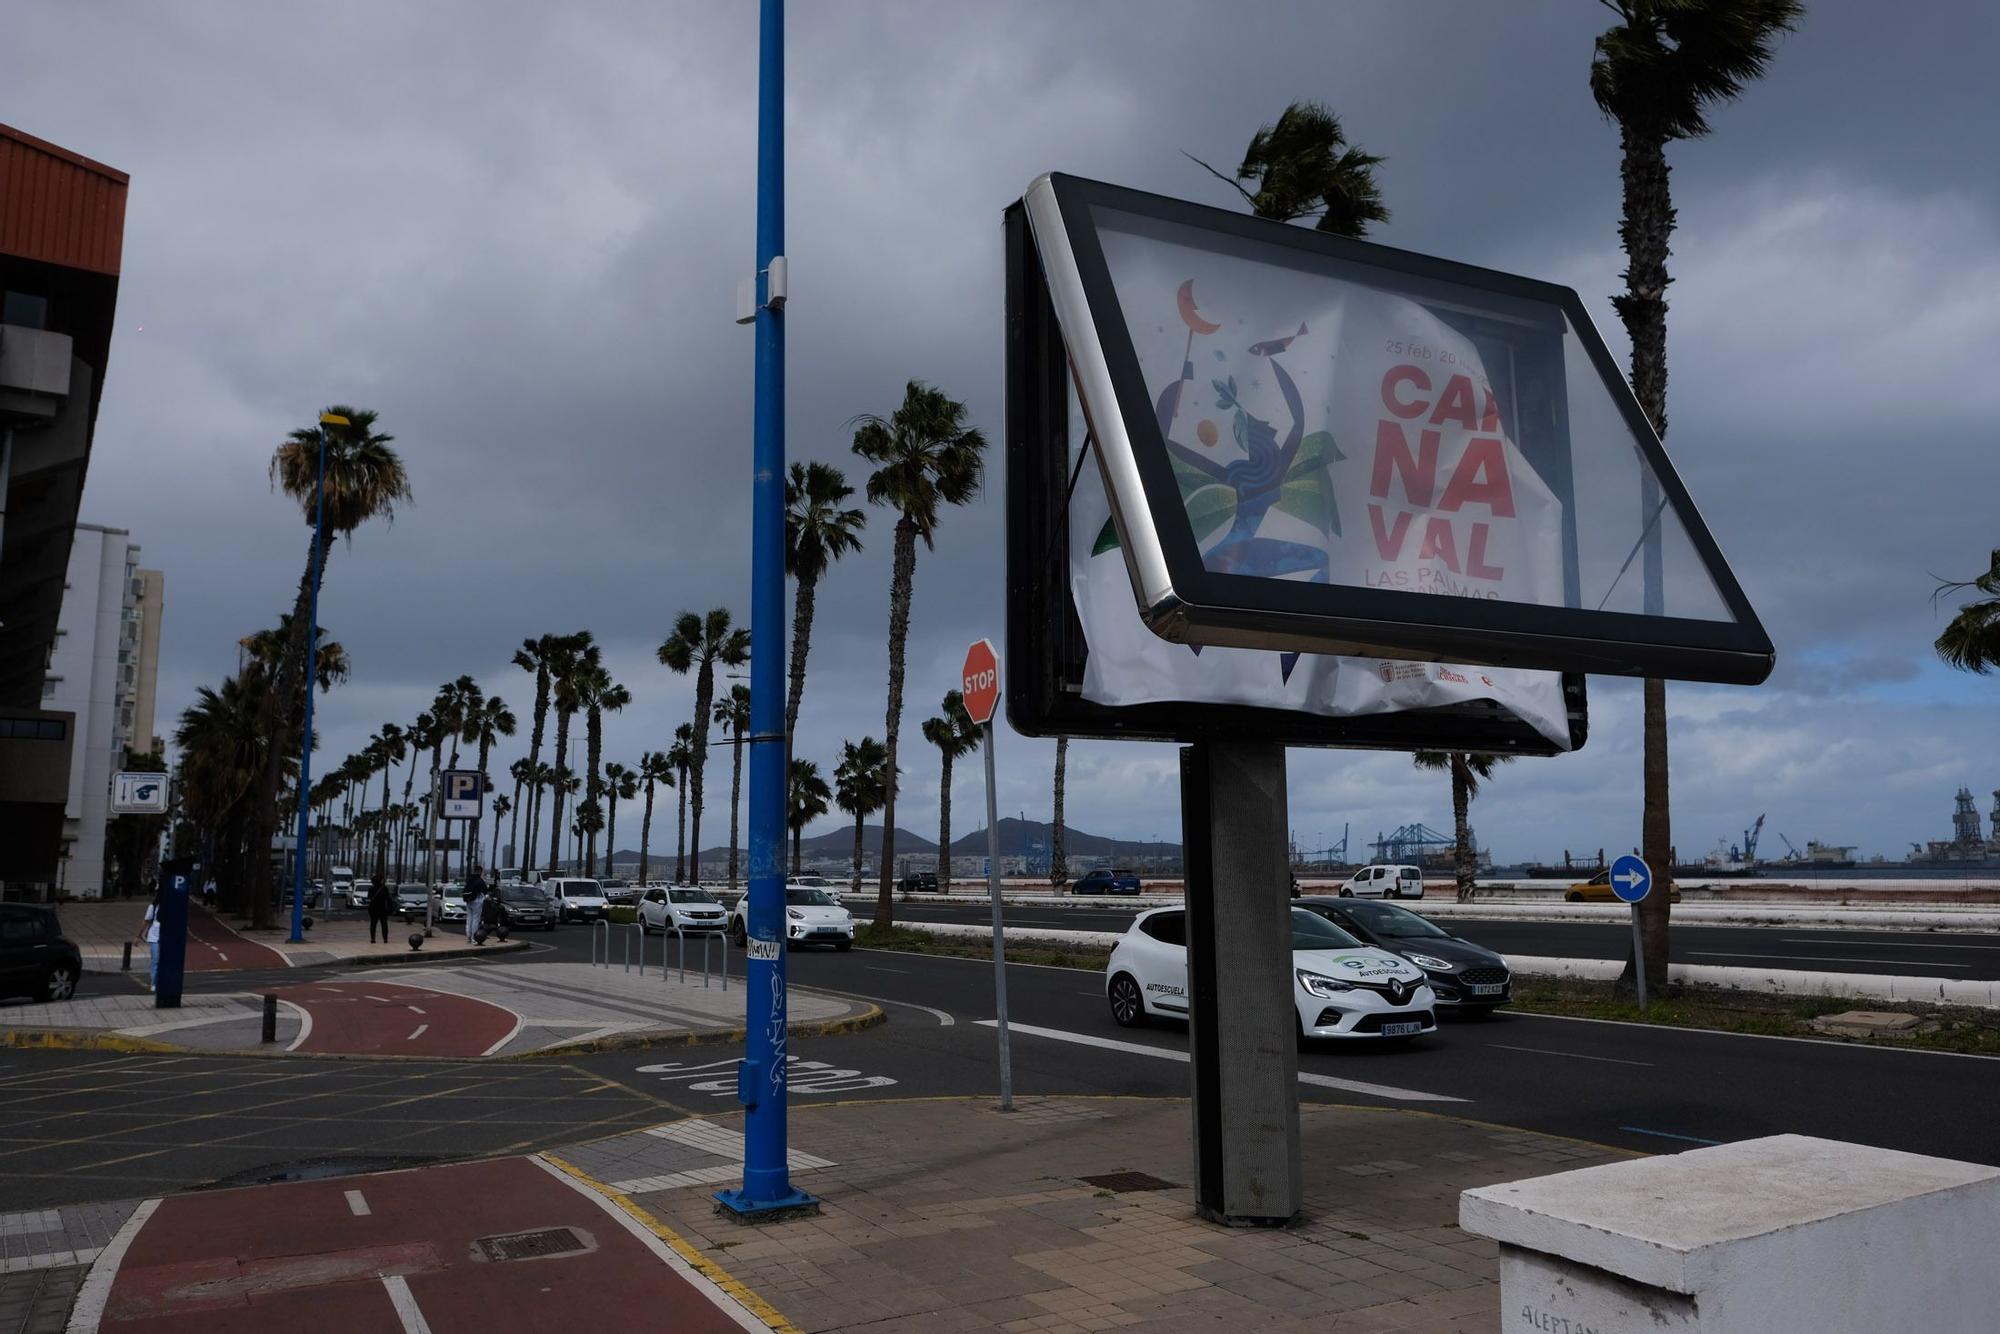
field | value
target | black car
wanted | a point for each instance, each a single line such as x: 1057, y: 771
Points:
x: 1467, y: 978
x: 524, y: 906
x: 35, y: 960
x: 918, y: 882
x: 1106, y: 882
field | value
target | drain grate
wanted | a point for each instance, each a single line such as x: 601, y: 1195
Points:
x: 539, y: 1245
x: 1125, y: 1182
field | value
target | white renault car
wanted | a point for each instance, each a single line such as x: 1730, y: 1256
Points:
x: 1342, y: 988
x: 679, y: 908
x: 812, y: 917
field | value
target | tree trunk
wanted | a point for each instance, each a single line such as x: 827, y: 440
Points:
x: 514, y: 833
x: 283, y: 706
x: 681, y: 832
x: 704, y: 697
x: 593, y: 787
x: 556, y: 788
x: 802, y: 624
x: 1461, y: 801
x: 854, y: 883
x: 1058, y: 855
x: 409, y: 787
x: 382, y: 838
x: 646, y: 832
x: 735, y: 796
x: 944, y: 822
x: 798, y: 833
x: 611, y: 835
x: 535, y: 758
x: 902, y: 583
x: 1646, y: 229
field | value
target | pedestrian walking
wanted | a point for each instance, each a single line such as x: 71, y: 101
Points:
x: 149, y: 931
x: 378, y: 908
x: 475, y: 904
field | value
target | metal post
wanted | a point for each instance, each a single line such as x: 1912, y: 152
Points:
x: 760, y: 1080
x: 999, y: 931
x: 430, y: 848
x: 306, y: 732
x: 1639, y: 958
x: 270, y: 1018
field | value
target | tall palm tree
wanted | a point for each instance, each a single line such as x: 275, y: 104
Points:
x: 1971, y: 642
x: 564, y: 782
x: 533, y: 657
x: 421, y: 734
x: 501, y: 806
x: 523, y: 772
x: 924, y: 455
x: 572, y: 658
x: 819, y: 530
x: 392, y: 743
x: 598, y: 695
x: 654, y: 768
x: 620, y: 784
x: 1656, y: 73
x: 363, y: 478
x: 954, y: 733
x: 486, y: 722
x: 1467, y: 772
x: 1058, y: 854
x: 732, y: 715
x: 680, y: 755
x: 1303, y: 167
x: 222, y: 740
x: 861, y: 787
x: 699, y: 643
x: 809, y: 798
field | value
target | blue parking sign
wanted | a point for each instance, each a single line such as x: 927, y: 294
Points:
x: 460, y: 793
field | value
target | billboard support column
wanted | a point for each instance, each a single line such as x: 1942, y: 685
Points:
x: 1243, y: 1026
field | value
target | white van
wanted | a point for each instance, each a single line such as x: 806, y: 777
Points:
x: 344, y: 889
x: 574, y: 899
x: 1384, y: 882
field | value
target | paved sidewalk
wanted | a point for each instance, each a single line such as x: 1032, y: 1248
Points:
x: 220, y: 942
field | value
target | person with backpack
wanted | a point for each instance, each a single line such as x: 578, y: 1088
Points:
x: 379, y: 902
x: 475, y: 906
x: 149, y: 931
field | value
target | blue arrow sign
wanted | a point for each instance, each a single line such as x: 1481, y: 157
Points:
x: 1631, y: 878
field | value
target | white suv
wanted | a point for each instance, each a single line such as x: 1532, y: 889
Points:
x: 573, y: 899
x: 679, y: 908
x: 812, y: 917
x: 1384, y: 882
x: 1341, y: 988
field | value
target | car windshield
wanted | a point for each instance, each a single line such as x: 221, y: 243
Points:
x: 1386, y: 919
x: 807, y: 898
x: 573, y: 888
x: 1310, y: 931
x: 691, y: 896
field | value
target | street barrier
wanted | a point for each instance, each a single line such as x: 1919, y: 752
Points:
x: 597, y: 960
x: 680, y: 937
x: 638, y: 929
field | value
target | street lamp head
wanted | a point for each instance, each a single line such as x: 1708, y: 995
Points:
x: 333, y: 419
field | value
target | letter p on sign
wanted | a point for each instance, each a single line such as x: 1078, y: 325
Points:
x: 981, y: 681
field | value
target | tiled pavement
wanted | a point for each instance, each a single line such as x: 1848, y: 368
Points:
x: 70, y: 1234
x: 949, y: 1215
x: 205, y: 1021
x: 37, y: 1301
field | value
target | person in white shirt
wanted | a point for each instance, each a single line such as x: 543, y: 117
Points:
x: 149, y: 931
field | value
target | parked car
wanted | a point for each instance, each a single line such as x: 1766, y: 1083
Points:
x: 812, y: 917
x: 1340, y: 987
x: 347, y: 891
x: 523, y: 907
x: 619, y: 891
x: 1103, y: 881
x: 680, y: 908
x: 918, y: 882
x: 1465, y: 977
x: 411, y: 900
x: 575, y: 899
x: 448, y: 903
x: 35, y: 958
x: 1384, y: 882
x: 826, y: 884
x: 1598, y: 889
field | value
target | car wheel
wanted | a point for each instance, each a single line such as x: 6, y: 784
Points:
x: 60, y: 984
x: 1128, y: 1007
x: 741, y: 934
x: 1572, y: 897
x: 1347, y: 891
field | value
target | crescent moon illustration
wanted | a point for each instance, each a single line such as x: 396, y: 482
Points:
x: 1189, y: 315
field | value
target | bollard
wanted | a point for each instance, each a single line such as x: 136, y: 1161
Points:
x: 126, y: 966
x: 270, y: 1018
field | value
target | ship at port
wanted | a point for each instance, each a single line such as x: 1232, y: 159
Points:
x: 1970, y: 848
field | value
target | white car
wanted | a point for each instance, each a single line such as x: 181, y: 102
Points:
x: 575, y: 899
x: 812, y: 917
x: 448, y: 905
x: 347, y: 892
x: 1384, y: 882
x: 679, y: 908
x: 1342, y: 988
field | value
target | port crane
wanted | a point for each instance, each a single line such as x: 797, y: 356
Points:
x: 1750, y: 841
x: 1796, y: 855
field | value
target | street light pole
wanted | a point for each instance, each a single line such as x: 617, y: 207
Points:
x: 761, y: 1084
x: 326, y: 419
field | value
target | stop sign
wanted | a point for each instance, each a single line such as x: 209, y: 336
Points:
x: 981, y: 681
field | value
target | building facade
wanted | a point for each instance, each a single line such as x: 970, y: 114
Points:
x: 103, y: 672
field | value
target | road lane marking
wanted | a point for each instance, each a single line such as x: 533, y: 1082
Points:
x: 1819, y: 958
x: 874, y: 969
x: 95, y: 1294
x: 421, y: 1029
x: 384, y: 999
x: 405, y: 1303
x: 1844, y: 1044
x: 944, y: 1020
x: 357, y: 1204
x: 305, y: 1024
x: 1668, y: 1134
x: 1891, y: 944
x: 416, y: 1009
x: 1573, y: 1055
x: 1169, y: 1054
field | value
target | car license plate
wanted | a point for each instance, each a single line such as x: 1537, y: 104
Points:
x: 1488, y: 988
x: 1401, y: 1030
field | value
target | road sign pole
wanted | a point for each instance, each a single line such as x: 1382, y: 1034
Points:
x: 1639, y: 958
x: 999, y: 930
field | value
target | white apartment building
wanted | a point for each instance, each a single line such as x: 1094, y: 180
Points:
x: 103, y: 669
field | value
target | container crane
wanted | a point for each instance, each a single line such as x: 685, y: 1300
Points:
x: 1750, y: 842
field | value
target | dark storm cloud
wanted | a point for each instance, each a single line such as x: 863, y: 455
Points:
x: 516, y: 230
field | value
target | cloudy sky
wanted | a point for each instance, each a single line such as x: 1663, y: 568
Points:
x: 515, y: 230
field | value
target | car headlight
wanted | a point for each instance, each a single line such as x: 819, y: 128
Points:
x: 795, y: 914
x: 1430, y: 961
x: 1319, y: 984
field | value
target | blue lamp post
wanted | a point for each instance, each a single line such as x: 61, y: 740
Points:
x: 326, y: 419
x: 760, y: 1080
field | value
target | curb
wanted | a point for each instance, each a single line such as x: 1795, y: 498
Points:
x: 872, y: 1017
x: 75, y: 1039
x: 409, y: 956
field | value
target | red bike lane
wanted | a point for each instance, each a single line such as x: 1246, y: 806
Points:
x: 212, y: 947
x: 372, y: 1018
x: 427, y: 1249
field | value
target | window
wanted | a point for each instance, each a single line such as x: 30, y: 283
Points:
x: 21, y: 928
x: 25, y: 309
x: 1169, y: 928
x: 33, y: 729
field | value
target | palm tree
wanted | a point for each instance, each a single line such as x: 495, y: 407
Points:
x: 487, y: 722
x: 523, y: 771
x: 700, y: 642
x: 598, y: 695
x: 571, y: 659
x: 861, y: 787
x: 620, y: 784
x: 363, y: 478
x: 1303, y: 167
x: 680, y: 755
x: 732, y: 714
x: 809, y: 799
x: 420, y: 734
x: 222, y: 741
x: 564, y: 783
x: 533, y: 657
x: 1656, y: 73
x: 654, y: 768
x: 1971, y: 642
x: 818, y: 532
x: 924, y: 454
x: 1058, y: 855
x: 501, y: 806
x: 1467, y: 771
x: 954, y: 734
x: 392, y: 743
